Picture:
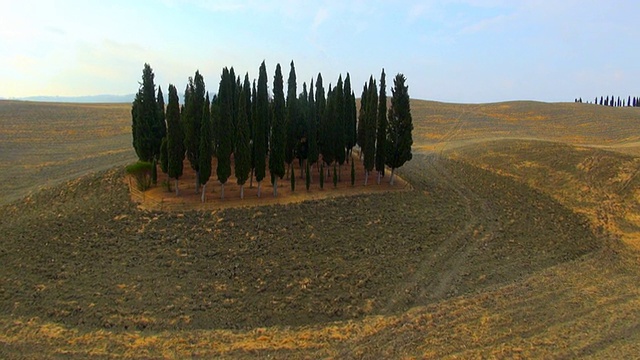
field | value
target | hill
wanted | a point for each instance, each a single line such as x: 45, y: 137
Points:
x: 42, y: 144
x: 441, y: 126
x: 507, y: 247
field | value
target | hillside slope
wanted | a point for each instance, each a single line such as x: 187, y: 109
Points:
x: 439, y: 126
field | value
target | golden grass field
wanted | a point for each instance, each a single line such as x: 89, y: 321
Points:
x: 561, y: 161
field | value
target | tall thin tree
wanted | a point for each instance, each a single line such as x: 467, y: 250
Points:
x: 278, y: 131
x: 225, y: 143
x: 242, y: 155
x: 399, y: 137
x: 175, y: 147
x: 205, y: 147
x: 261, y: 126
x: 381, y: 128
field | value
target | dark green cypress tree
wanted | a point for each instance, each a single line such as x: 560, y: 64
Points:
x: 339, y: 125
x: 175, y: 141
x: 254, y: 95
x: 370, y: 128
x: 400, y: 126
x: 161, y: 117
x: 381, y: 130
x: 145, y: 122
x: 278, y: 131
x: 205, y: 147
x: 136, y: 124
x: 291, y: 117
x: 312, y: 139
x: 261, y: 126
x: 194, y: 110
x: 302, y: 130
x: 350, y: 117
x: 242, y: 155
x: 335, y: 175
x: 225, y: 143
x: 320, y: 105
x: 326, y: 129
x: 362, y: 116
x: 321, y: 175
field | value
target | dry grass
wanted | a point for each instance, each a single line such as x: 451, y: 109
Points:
x: 42, y: 144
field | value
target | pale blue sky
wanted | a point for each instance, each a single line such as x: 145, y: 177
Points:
x: 455, y: 50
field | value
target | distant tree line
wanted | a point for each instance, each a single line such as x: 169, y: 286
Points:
x: 255, y: 127
x: 612, y: 101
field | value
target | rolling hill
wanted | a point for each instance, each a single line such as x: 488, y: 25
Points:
x: 518, y: 240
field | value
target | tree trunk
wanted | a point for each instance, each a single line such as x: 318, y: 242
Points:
x: 275, y: 187
x: 242, y: 191
x: 379, y: 177
x: 204, y: 192
x: 177, y: 192
x: 251, y: 180
x: 391, y: 178
x: 259, y: 183
x: 366, y: 177
x: 222, y: 191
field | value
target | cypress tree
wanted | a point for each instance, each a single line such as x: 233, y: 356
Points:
x: 161, y: 118
x: 321, y: 175
x: 335, y: 175
x: 293, y: 180
x: 225, y: 143
x: 205, y: 147
x: 312, y: 138
x: 350, y: 117
x: 320, y: 105
x: 136, y: 124
x: 261, y: 126
x: 175, y: 147
x: 327, y: 148
x: 253, y: 132
x: 399, y: 138
x: 146, y: 128
x: 339, y: 125
x: 381, y: 128
x: 302, y: 130
x: 278, y: 132
x: 370, y: 128
x: 291, y: 117
x: 192, y: 121
x: 242, y: 155
x: 362, y: 116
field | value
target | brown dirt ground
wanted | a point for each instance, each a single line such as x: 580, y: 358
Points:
x: 159, y: 198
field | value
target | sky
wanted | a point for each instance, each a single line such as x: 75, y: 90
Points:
x: 463, y: 51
